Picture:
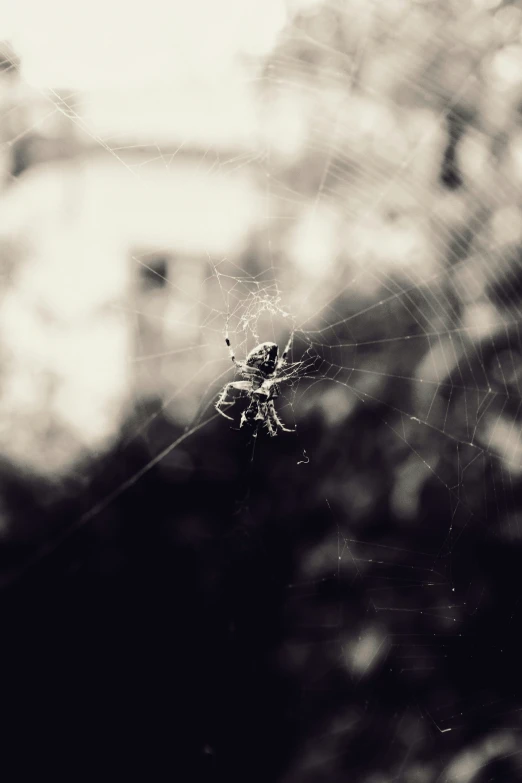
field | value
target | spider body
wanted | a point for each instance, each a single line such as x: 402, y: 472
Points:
x: 262, y: 371
x: 263, y: 358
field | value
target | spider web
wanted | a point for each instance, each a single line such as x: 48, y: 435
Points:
x: 331, y: 217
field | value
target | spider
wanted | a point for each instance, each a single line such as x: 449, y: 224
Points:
x: 262, y: 370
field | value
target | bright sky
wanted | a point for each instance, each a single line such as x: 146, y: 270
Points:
x: 111, y: 43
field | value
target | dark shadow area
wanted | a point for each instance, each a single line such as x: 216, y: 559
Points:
x: 163, y: 635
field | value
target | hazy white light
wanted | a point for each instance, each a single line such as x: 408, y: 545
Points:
x: 486, y: 5
x: 285, y: 127
x: 503, y: 436
x: 506, y: 225
x: 470, y: 281
x: 474, y: 156
x: 507, y: 65
x: 480, y: 320
x: 199, y: 113
x: 113, y: 42
x: 362, y: 654
x: 467, y: 763
x: 315, y: 242
x: 65, y: 346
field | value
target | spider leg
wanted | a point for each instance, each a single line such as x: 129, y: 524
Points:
x: 230, y: 350
x: 273, y: 415
x: 282, y: 361
x: 222, y: 399
x: 269, y: 421
x: 243, y: 367
x: 246, y: 417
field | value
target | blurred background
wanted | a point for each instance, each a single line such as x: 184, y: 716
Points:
x: 179, y: 596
